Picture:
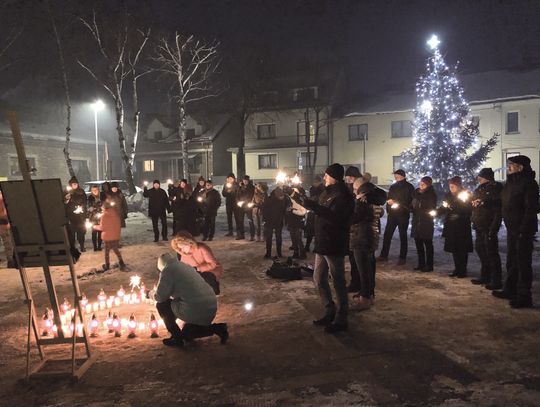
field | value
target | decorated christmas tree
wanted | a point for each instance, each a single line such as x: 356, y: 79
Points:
x: 446, y: 141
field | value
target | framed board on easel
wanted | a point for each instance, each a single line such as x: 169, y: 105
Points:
x: 38, y: 223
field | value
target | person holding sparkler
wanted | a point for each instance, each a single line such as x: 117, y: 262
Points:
x: 212, y: 202
x: 259, y: 198
x: 244, y: 207
x: 75, y: 205
x: 94, y: 214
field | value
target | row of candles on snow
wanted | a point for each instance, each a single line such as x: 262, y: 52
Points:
x: 112, y: 323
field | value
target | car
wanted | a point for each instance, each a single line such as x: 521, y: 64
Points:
x: 122, y: 185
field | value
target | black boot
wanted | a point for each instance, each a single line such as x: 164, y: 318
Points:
x: 221, y: 331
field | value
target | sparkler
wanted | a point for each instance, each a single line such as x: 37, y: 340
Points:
x: 240, y: 204
x: 68, y: 188
x: 281, y: 177
x: 463, y: 196
x: 228, y: 185
x: 135, y: 281
x: 394, y: 206
x: 112, y: 203
x: 145, y: 183
x: 250, y: 205
x: 199, y: 198
x: 78, y: 210
x: 296, y: 180
x: 433, y: 213
x: 169, y: 181
x: 88, y: 224
x: 445, y: 204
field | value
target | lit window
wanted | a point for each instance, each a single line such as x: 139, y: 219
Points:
x: 148, y: 165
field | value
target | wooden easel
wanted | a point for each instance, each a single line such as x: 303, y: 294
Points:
x: 45, y: 254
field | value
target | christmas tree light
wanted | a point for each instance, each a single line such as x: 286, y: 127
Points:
x: 445, y: 142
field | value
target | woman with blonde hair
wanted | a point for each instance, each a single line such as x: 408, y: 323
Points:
x: 199, y: 256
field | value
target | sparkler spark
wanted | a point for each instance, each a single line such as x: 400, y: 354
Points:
x: 135, y: 281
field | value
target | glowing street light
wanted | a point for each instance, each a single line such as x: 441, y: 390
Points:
x: 98, y: 106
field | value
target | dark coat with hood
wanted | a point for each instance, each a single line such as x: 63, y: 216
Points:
x: 486, y: 217
x: 364, y: 231
x: 245, y: 193
x: 457, y: 231
x: 519, y: 198
x: 333, y: 214
x: 212, y: 202
x: 73, y: 199
x: 422, y: 221
x: 229, y: 193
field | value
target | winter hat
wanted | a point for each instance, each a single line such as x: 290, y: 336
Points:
x: 400, y: 172
x: 114, y: 185
x: 455, y: 181
x: 521, y: 160
x: 73, y: 180
x: 231, y: 175
x: 427, y: 180
x: 487, y: 173
x: 246, y: 177
x: 353, y: 172
x: 156, y: 181
x: 209, y: 181
x: 201, y: 178
x: 335, y: 171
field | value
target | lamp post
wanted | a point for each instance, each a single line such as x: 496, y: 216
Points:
x: 98, y: 106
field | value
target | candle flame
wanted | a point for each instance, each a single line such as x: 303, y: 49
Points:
x: 433, y: 213
x: 240, y: 203
x: 394, y: 206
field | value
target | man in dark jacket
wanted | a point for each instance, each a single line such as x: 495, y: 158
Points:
x: 273, y: 212
x: 398, y: 207
x: 229, y: 193
x: 75, y: 205
x: 519, y: 199
x: 424, y: 205
x: 244, y: 196
x: 486, y: 219
x: 316, y: 189
x: 212, y: 202
x: 158, y: 203
x: 332, y: 216
x: 351, y: 175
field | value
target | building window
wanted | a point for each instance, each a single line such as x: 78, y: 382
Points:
x: 305, y: 94
x: 158, y: 135
x: 358, y: 132
x: 266, y: 131
x: 190, y: 133
x: 401, y: 128
x: 301, y: 132
x: 81, y: 170
x: 303, y: 159
x: 14, y: 165
x: 148, y: 166
x: 267, y: 161
x: 475, y: 120
x: 512, y: 122
x: 397, y: 162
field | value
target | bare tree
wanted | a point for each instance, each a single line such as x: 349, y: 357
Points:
x: 121, y: 53
x: 6, y: 43
x: 315, y: 119
x: 192, y: 62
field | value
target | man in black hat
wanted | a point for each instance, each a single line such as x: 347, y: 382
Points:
x: 212, y: 202
x: 75, y: 206
x: 519, y: 199
x: 351, y: 175
x: 244, y: 207
x: 486, y: 219
x: 229, y: 193
x: 398, y: 207
x: 332, y: 216
x: 158, y: 203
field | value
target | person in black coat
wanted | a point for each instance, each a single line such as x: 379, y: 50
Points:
x: 295, y: 223
x: 519, y: 199
x: 273, y: 212
x: 315, y: 190
x: 229, y: 193
x: 75, y: 206
x: 244, y: 196
x: 486, y: 219
x: 185, y: 211
x: 332, y: 216
x: 117, y: 197
x: 398, y: 208
x: 158, y: 206
x: 212, y: 202
x: 457, y: 233
x: 259, y: 197
x: 351, y: 175
x: 94, y: 214
x: 424, y: 205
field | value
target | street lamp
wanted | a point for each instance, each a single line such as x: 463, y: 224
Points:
x: 98, y: 106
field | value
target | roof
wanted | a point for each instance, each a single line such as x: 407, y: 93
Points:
x: 481, y: 87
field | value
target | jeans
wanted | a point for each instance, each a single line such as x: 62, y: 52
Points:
x: 230, y: 212
x: 424, y: 249
x: 268, y: 232
x: 365, y: 261
x: 163, y: 219
x: 209, y: 227
x: 393, y: 222
x: 519, y: 266
x: 297, y: 244
x: 336, y: 266
x: 488, y: 252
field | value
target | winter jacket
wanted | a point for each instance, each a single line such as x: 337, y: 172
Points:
x: 401, y: 192
x: 120, y: 205
x: 333, y: 212
x: 202, y: 258
x: 315, y: 191
x: 259, y: 197
x: 376, y: 196
x: 245, y: 193
x: 158, y: 201
x: 519, y: 198
x: 292, y: 220
x: 487, y: 216
x: 457, y: 224
x: 422, y: 221
x: 193, y: 300
x: 274, y: 210
x: 4, y: 223
x: 94, y: 208
x: 73, y: 199
x: 212, y: 202
x: 229, y: 193
x: 109, y: 225
x: 364, y: 231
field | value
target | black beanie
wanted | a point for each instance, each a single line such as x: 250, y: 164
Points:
x: 246, y: 177
x: 335, y: 171
x: 209, y: 181
x: 156, y: 181
x: 231, y: 175
x: 353, y: 172
x: 521, y: 160
x: 427, y: 180
x: 114, y: 184
x: 400, y: 172
x: 73, y: 180
x: 487, y: 173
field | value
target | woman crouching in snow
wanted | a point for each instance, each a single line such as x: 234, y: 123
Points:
x: 110, y: 227
x: 199, y: 256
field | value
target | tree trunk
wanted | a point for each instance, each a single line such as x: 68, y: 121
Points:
x: 315, y: 142
x: 135, y: 121
x: 184, y: 141
x: 307, y: 131
x: 128, y: 174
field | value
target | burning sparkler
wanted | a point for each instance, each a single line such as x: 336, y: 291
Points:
x: 281, y: 177
x: 135, y: 281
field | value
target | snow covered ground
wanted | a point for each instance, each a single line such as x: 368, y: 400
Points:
x: 429, y: 340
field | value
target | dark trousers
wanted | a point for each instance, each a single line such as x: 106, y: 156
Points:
x: 76, y: 231
x: 365, y: 261
x: 393, y: 222
x: 230, y: 212
x: 209, y: 227
x: 424, y: 248
x: 460, y: 262
x: 335, y: 266
x: 355, y: 274
x: 96, y: 239
x: 239, y: 214
x: 490, y: 260
x: 519, y: 266
x: 257, y: 217
x: 113, y: 245
x: 189, y: 332
x: 163, y: 219
x: 268, y: 232
x: 297, y: 244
